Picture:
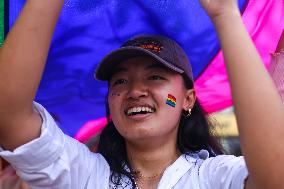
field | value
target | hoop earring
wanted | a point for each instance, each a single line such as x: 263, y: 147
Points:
x: 189, y: 113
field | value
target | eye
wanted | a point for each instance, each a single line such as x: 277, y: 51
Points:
x: 156, y: 77
x: 120, y: 81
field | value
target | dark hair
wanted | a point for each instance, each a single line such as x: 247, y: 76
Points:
x: 194, y: 134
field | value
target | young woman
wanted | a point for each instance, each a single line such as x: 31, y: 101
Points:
x: 157, y: 136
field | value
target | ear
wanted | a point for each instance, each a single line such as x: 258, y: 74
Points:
x: 189, y: 100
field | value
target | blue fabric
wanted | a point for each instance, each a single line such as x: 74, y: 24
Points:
x: 89, y: 29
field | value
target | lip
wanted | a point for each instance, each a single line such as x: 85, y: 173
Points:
x: 138, y: 117
x: 138, y: 105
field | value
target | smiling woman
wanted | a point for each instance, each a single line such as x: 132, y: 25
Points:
x: 157, y: 134
x: 143, y: 115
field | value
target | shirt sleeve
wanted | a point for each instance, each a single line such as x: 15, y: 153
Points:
x: 223, y: 172
x: 55, y: 160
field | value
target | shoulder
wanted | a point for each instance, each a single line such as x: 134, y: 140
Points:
x: 222, y: 171
x: 207, y: 164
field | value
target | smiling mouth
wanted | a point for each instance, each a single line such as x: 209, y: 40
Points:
x: 139, y: 110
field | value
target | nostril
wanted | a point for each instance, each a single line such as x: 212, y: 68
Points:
x: 135, y: 94
x: 137, y: 88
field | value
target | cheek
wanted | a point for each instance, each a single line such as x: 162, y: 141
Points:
x: 171, y: 116
x: 170, y: 113
x: 114, y: 103
x: 172, y: 101
x: 115, y: 107
x: 170, y: 97
x: 170, y: 105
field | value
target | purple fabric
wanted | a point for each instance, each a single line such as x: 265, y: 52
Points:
x: 264, y: 20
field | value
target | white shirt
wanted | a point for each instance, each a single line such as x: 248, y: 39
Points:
x: 57, y: 161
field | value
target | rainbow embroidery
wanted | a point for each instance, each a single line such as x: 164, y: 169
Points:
x: 171, y: 100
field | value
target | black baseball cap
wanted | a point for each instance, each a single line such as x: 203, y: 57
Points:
x: 163, y: 49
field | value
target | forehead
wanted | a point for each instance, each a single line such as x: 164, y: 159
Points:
x: 139, y: 63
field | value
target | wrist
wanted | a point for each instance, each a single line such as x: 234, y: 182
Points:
x: 51, y: 4
x: 226, y: 19
x: 226, y: 16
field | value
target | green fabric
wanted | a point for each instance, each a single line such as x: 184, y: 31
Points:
x: 1, y: 22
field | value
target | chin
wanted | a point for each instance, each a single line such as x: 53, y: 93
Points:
x: 139, y: 132
x: 141, y: 139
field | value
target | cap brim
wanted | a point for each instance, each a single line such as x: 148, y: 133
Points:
x: 107, y: 65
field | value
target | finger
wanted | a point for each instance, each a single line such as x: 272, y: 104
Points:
x: 24, y: 185
x: 9, y: 183
x: 7, y: 172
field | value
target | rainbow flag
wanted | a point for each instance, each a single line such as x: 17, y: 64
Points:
x: 171, y: 100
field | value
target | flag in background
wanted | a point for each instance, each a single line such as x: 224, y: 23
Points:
x: 87, y: 30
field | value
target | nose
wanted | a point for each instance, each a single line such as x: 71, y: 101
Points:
x: 137, y: 89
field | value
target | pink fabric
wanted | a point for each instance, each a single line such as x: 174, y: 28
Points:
x: 264, y: 20
x: 90, y: 129
x: 276, y: 70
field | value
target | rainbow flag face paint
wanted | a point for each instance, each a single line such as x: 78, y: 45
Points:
x: 171, y: 100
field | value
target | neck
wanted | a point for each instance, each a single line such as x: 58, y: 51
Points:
x: 151, y: 159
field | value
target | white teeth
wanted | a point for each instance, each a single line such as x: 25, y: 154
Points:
x: 139, y: 109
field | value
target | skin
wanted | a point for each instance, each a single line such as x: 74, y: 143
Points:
x: 150, y: 138
x: 9, y: 179
x: 142, y: 83
x: 22, y: 61
x: 258, y: 107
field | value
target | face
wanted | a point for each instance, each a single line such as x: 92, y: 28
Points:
x: 138, y: 96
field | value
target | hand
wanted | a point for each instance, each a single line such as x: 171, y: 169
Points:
x: 220, y: 8
x: 9, y: 180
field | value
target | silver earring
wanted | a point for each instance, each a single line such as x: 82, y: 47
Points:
x: 189, y: 113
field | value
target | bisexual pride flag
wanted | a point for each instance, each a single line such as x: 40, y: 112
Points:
x: 89, y: 29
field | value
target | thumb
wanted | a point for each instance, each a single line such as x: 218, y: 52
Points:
x: 204, y: 3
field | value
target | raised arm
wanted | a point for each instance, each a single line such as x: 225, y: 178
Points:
x: 22, y: 61
x: 258, y: 107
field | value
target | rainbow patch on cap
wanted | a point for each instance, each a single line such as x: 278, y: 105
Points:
x: 171, y: 100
